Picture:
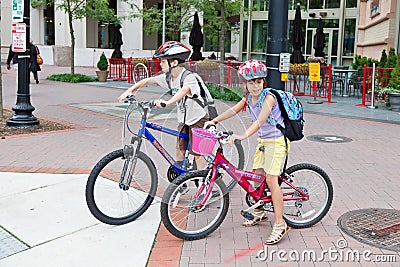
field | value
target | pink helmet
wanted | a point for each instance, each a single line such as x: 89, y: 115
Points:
x: 252, y: 69
x: 173, y: 49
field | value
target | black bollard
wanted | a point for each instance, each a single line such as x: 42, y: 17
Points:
x: 23, y: 109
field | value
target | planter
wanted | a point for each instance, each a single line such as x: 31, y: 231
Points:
x: 102, y: 75
x: 299, y: 70
x: 394, y: 100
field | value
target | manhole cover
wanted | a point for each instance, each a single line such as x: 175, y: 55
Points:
x: 375, y: 227
x: 329, y: 138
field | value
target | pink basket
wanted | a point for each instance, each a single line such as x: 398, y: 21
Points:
x: 203, y: 141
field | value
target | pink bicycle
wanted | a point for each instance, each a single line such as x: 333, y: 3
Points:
x: 196, y: 203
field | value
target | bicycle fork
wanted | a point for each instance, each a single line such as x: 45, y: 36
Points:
x: 130, y: 155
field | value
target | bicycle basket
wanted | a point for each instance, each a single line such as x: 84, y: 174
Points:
x: 203, y: 141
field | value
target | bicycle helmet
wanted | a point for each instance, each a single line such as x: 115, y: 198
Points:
x: 172, y: 50
x: 252, y: 69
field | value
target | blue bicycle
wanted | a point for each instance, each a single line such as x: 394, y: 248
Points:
x: 123, y: 184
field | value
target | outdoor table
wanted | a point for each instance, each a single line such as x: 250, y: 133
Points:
x: 346, y: 79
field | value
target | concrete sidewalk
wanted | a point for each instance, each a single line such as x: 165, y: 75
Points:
x: 52, y: 226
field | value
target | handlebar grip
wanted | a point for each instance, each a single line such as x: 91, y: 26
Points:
x: 163, y: 105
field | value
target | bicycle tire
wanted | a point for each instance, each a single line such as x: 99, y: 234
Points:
x: 178, y: 194
x: 105, y: 176
x: 314, y: 181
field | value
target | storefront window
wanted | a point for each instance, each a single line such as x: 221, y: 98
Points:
x: 49, y: 37
x: 260, y: 5
x: 351, y: 3
x: 316, y: 4
x: 105, y: 32
x: 293, y: 4
x: 349, y: 37
x: 332, y: 3
x: 259, y: 36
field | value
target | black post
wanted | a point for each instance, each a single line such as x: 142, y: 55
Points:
x: 23, y: 116
x: 276, y: 41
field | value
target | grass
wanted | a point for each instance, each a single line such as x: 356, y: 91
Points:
x: 71, y: 78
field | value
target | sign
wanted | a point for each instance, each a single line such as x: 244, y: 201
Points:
x: 375, y: 7
x: 284, y: 77
x: 284, y: 62
x: 314, y: 72
x: 17, y: 10
x: 18, y: 31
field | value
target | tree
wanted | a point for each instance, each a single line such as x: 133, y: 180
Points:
x: 79, y: 9
x: 215, y: 14
x: 383, y: 60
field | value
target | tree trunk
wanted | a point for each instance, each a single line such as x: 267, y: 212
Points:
x: 222, y: 46
x: 71, y: 33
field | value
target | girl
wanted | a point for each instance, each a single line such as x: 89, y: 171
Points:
x: 271, y: 149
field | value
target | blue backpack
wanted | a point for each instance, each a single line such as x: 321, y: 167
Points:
x: 292, y: 113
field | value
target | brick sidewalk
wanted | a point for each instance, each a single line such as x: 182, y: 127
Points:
x: 363, y: 172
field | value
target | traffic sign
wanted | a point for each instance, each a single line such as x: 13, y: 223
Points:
x: 17, y: 10
x: 284, y: 62
x: 314, y: 71
x: 18, y: 31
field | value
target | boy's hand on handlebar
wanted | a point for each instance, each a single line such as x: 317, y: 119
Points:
x: 160, y: 103
x: 124, y: 95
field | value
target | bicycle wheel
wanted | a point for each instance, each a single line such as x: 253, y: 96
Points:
x: 235, y: 155
x: 313, y: 181
x: 179, y: 211
x: 111, y: 204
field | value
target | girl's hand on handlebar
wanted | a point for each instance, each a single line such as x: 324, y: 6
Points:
x: 207, y: 124
x: 232, y: 139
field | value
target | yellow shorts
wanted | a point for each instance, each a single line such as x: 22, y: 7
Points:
x: 273, y: 156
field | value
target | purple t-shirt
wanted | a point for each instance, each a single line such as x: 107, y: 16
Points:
x: 268, y: 129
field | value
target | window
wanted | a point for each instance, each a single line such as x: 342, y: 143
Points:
x: 349, y: 37
x: 316, y: 4
x: 49, y: 37
x: 105, y: 32
x: 259, y: 36
x: 351, y: 3
x: 260, y: 5
x: 332, y: 3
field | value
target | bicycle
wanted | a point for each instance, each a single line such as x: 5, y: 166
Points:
x: 192, y: 212
x: 123, y: 184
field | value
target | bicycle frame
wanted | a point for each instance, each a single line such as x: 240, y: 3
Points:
x: 143, y: 131
x: 243, y: 178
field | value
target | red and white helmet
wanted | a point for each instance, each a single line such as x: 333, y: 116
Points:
x: 173, y: 49
x: 252, y: 69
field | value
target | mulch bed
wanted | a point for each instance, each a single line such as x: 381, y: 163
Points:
x: 44, y: 126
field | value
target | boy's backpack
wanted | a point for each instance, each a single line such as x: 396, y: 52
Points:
x: 292, y: 113
x: 207, y: 103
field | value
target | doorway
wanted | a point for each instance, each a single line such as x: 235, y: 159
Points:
x: 331, y: 44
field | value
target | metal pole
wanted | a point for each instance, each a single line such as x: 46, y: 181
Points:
x: 373, y: 87
x: 276, y: 41
x: 163, y: 22
x: 23, y: 117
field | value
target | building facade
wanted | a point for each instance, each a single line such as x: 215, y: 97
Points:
x: 363, y: 27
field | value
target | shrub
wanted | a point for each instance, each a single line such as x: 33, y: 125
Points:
x: 229, y: 94
x: 102, y: 64
x: 392, y: 59
x: 71, y: 78
x: 384, y: 57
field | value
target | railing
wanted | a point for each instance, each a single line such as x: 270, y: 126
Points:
x: 382, y: 76
x: 300, y: 85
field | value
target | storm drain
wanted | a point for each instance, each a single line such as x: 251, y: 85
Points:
x: 329, y: 138
x: 9, y: 245
x: 375, y: 227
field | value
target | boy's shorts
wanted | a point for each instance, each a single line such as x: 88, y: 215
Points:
x: 187, y: 129
x: 273, y: 156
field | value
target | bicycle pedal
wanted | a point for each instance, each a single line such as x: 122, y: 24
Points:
x: 247, y: 215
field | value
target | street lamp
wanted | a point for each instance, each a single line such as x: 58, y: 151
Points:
x: 163, y: 22
x: 23, y: 116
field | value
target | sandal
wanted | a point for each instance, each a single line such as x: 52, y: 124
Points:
x: 278, y: 231
x: 259, y: 216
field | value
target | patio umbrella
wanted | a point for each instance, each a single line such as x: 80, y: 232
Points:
x: 319, y: 40
x: 297, y: 38
x: 117, y: 42
x: 196, y: 39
